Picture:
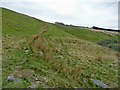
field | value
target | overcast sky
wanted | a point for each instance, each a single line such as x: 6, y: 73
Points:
x: 102, y: 13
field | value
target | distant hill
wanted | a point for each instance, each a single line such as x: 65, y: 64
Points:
x: 98, y: 28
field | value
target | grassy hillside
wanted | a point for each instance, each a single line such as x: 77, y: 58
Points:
x: 85, y: 34
x: 62, y: 57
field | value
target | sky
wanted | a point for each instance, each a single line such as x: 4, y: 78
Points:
x: 101, y: 13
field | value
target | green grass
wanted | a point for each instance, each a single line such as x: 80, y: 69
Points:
x: 76, y: 57
x: 85, y: 34
x: 23, y: 26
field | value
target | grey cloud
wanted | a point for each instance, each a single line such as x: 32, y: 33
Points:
x: 36, y: 10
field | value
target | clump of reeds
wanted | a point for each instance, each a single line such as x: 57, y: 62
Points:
x: 77, y: 72
x: 38, y: 43
x: 64, y: 68
x: 55, y: 50
x: 99, y: 58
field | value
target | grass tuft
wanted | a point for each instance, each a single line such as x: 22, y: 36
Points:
x: 37, y: 43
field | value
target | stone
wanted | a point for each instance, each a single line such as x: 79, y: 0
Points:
x: 99, y: 83
x: 36, y: 79
x: 18, y: 67
x: 11, y: 78
x: 26, y: 51
x: 60, y: 56
x: 19, y: 75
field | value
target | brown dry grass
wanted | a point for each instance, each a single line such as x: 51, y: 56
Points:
x: 37, y: 43
x: 27, y: 73
x: 107, y: 32
x: 84, y: 59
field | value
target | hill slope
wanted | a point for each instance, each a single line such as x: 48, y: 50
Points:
x: 56, y: 56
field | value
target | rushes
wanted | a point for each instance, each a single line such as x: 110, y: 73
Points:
x: 66, y: 64
x: 32, y: 39
x: 77, y: 72
x: 37, y: 43
x: 64, y: 68
x: 99, y: 58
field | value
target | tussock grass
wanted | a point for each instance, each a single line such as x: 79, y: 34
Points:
x: 87, y: 60
x: 37, y: 43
